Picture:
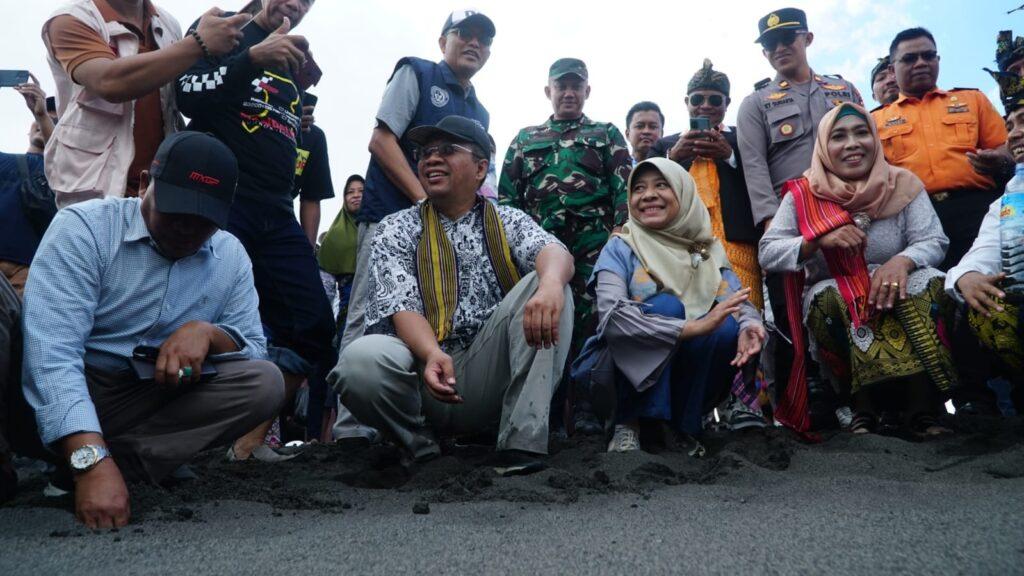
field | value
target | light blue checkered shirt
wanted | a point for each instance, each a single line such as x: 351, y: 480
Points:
x: 98, y: 288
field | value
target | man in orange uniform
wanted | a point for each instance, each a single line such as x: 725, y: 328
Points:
x: 953, y: 140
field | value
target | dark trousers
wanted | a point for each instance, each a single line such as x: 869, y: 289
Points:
x: 697, y: 378
x: 152, y: 430
x: 294, y: 309
x: 17, y: 421
x: 783, y: 356
x: 961, y: 214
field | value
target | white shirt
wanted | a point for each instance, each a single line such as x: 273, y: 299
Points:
x: 984, y: 254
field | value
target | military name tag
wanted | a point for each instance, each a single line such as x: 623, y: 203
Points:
x: 957, y: 109
x: 897, y: 121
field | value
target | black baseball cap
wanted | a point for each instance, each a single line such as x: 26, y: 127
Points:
x: 782, y: 19
x: 460, y: 18
x: 566, y: 66
x: 460, y: 128
x: 194, y: 173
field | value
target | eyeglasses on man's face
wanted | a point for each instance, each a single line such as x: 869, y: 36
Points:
x: 445, y: 150
x: 911, y: 58
x: 712, y: 100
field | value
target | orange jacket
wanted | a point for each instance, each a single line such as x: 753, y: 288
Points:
x: 931, y: 136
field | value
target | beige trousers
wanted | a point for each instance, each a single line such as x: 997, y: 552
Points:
x: 505, y: 384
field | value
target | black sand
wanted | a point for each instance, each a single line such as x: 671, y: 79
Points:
x: 761, y: 502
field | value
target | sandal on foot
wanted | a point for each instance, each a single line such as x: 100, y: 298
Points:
x: 863, y: 423
x: 263, y: 453
x: 927, y: 426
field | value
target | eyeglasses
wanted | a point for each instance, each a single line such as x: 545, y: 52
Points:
x: 468, y: 35
x: 910, y: 58
x: 698, y: 100
x: 445, y: 150
x: 785, y: 37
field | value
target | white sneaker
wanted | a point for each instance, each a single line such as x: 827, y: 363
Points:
x: 625, y: 439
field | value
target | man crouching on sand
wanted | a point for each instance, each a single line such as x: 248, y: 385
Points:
x: 113, y: 277
x: 467, y: 301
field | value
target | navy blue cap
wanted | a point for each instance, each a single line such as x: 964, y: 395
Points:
x: 460, y: 128
x: 460, y: 18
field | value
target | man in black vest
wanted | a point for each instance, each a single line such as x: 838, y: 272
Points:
x: 419, y: 93
x: 713, y: 149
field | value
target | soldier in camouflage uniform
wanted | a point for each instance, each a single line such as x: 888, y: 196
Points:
x: 570, y: 175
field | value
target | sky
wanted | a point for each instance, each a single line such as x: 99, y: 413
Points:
x: 634, y: 51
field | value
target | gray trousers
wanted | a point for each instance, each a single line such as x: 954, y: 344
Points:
x: 505, y: 384
x: 355, y: 323
x: 152, y: 430
x: 346, y: 425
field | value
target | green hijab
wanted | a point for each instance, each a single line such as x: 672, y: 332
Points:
x: 337, y: 254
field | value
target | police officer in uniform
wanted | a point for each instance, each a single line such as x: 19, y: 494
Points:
x: 776, y: 128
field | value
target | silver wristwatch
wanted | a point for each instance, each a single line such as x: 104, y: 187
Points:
x: 87, y: 457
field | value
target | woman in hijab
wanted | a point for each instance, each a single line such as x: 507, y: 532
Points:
x: 862, y: 236
x: 674, y: 322
x: 337, y: 253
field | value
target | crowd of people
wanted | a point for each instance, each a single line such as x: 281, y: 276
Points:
x: 818, y: 265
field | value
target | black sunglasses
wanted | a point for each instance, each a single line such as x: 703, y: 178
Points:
x: 445, y: 150
x: 785, y: 38
x: 910, y: 58
x: 698, y: 100
x: 468, y: 35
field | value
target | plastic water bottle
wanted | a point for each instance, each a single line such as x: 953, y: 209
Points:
x: 1011, y: 234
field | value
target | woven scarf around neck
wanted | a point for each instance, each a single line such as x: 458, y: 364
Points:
x: 437, y: 265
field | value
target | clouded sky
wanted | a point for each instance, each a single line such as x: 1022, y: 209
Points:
x: 634, y: 50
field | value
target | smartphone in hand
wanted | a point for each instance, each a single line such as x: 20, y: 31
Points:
x: 12, y: 78
x: 702, y: 123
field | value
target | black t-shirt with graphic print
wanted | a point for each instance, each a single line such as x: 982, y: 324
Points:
x: 256, y: 113
x: 313, y: 167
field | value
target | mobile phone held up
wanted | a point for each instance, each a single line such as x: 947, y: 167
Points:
x: 700, y: 123
x: 12, y: 78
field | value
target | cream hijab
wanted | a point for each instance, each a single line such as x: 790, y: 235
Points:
x: 884, y: 193
x: 685, y: 257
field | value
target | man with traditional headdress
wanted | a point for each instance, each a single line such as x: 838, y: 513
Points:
x: 884, y: 89
x: 979, y: 280
x: 713, y: 159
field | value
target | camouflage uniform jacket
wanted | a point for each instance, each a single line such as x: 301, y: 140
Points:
x: 570, y: 176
